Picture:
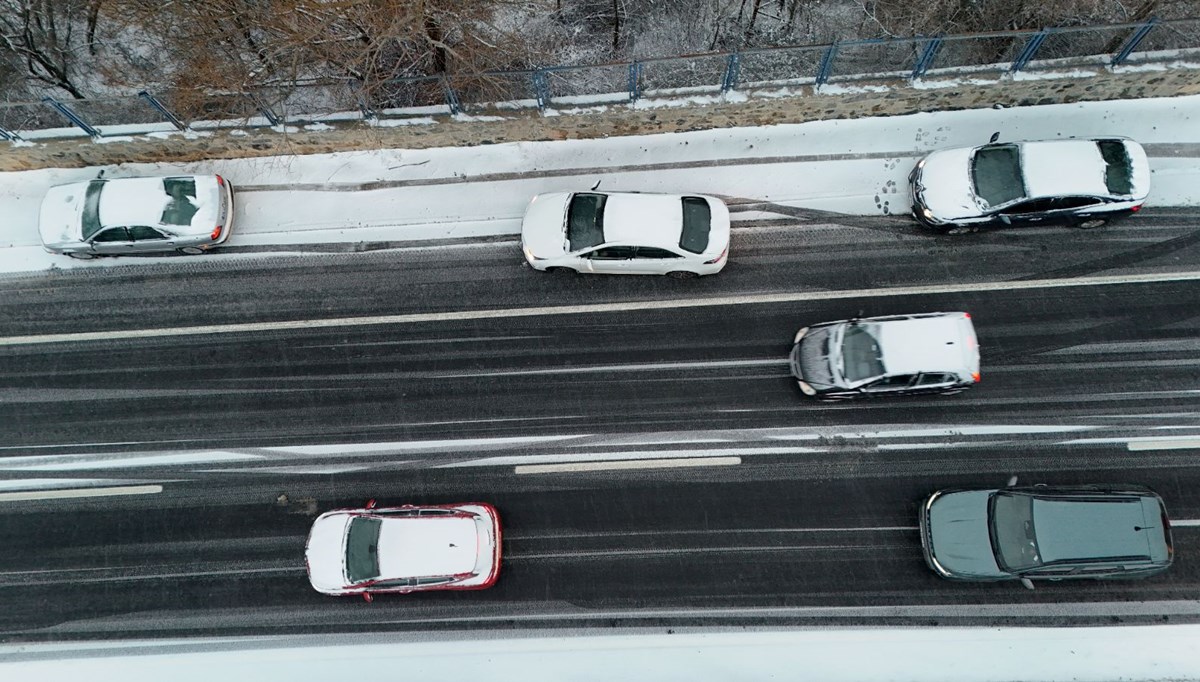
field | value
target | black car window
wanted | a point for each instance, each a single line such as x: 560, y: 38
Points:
x: 182, y: 206
x: 996, y: 174
x: 434, y: 581
x: 1034, y: 206
x: 362, y: 549
x: 1118, y: 169
x: 613, y: 253
x: 90, y: 218
x: 112, y: 234
x: 144, y: 232
x: 651, y: 252
x: 934, y: 379
x: 437, y: 512
x: 585, y: 221
x: 697, y: 221
x: 1064, y: 203
x: 893, y: 382
x: 1014, y: 538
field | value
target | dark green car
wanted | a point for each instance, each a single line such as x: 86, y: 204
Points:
x: 1046, y: 532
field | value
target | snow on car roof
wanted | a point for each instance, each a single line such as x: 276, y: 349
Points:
x: 925, y: 344
x: 427, y: 546
x: 143, y: 201
x: 1063, y: 167
x: 644, y: 220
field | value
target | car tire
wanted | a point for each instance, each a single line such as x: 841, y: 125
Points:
x: 1091, y: 223
x: 191, y: 250
x: 81, y: 255
x: 959, y: 230
x: 562, y: 271
x: 682, y: 274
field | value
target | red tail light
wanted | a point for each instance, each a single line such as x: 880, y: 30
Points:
x: 975, y: 376
x: 220, y: 181
x: 967, y: 315
x: 216, y: 233
x: 718, y: 258
x: 1135, y: 209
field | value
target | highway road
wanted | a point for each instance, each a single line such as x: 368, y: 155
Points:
x: 651, y: 459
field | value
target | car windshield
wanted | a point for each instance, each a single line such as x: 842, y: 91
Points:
x: 585, y: 221
x: 861, y: 357
x: 816, y: 363
x: 697, y: 219
x: 1118, y: 170
x: 362, y: 549
x: 996, y: 174
x: 1014, y: 540
x: 91, y: 209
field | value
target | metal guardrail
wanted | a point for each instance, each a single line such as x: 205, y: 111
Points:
x: 912, y: 58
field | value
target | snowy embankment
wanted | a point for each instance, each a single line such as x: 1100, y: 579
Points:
x: 1147, y: 653
x: 854, y: 166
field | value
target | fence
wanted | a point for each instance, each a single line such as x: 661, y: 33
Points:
x: 996, y: 53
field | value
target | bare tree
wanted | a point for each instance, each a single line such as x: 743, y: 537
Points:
x: 40, y: 33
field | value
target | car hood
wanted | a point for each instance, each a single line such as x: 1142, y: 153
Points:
x: 543, y: 230
x: 59, y: 221
x: 958, y: 534
x: 325, y: 552
x: 944, y: 184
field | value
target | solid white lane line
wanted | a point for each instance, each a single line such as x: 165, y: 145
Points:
x: 575, y: 467
x: 596, y: 369
x: 625, y: 455
x: 707, y: 531
x: 80, y: 492
x: 1163, y: 443
x: 622, y: 307
x: 1194, y: 523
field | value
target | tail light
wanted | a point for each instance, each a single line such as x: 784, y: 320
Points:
x: 216, y: 233
x: 1135, y: 209
x: 967, y: 315
x: 719, y: 258
x: 975, y: 376
x: 220, y: 181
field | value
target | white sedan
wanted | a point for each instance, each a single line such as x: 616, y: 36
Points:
x: 404, y: 549
x: 187, y: 213
x: 626, y: 233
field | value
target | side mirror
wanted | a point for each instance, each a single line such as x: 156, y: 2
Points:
x: 995, y: 136
x: 370, y: 504
x: 367, y: 597
x: 1011, y: 481
x: 1027, y: 583
x: 1005, y: 219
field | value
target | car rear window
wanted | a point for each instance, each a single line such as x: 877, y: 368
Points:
x: 697, y: 220
x: 996, y: 174
x: 182, y: 206
x: 585, y: 221
x: 91, y: 209
x: 1118, y: 171
x: 362, y: 549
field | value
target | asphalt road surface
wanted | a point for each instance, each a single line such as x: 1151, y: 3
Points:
x: 651, y: 459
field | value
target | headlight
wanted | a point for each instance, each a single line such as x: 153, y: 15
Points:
x: 529, y: 254
x: 927, y: 213
x: 920, y: 164
x: 800, y: 335
x: 806, y: 389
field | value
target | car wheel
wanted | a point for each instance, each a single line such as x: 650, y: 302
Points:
x: 961, y: 229
x: 1092, y: 223
x: 562, y: 271
x: 192, y: 250
x: 682, y: 274
x: 81, y: 255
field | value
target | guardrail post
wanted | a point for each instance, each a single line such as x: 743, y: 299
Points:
x: 263, y: 109
x: 1131, y: 44
x: 635, y: 81
x: 452, y: 101
x: 733, y: 69
x: 541, y: 89
x: 154, y: 102
x: 1030, y: 49
x: 71, y: 116
x: 927, y: 56
x: 826, y: 68
x: 10, y: 135
x: 364, y: 106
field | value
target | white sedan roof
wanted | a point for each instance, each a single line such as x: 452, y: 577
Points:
x: 644, y: 220
x: 428, y: 546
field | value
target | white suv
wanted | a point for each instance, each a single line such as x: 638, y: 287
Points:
x: 882, y: 356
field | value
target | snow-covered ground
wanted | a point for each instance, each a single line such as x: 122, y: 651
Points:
x: 934, y: 654
x: 856, y: 166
